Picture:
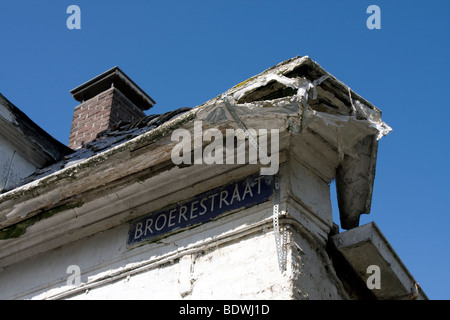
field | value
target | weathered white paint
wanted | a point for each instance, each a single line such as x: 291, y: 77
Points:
x: 14, y: 166
x: 366, y: 248
x: 6, y: 114
x: 20, y: 154
x: 233, y: 257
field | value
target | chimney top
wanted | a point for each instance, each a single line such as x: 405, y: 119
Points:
x: 114, y: 77
x: 106, y: 100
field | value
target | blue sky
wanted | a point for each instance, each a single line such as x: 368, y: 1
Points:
x: 183, y: 53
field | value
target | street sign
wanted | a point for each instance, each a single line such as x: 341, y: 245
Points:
x: 202, y: 208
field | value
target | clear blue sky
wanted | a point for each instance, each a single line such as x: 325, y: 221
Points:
x: 184, y: 53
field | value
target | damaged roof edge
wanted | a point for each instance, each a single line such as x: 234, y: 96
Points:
x: 68, y: 172
x: 286, y: 68
x: 340, y: 84
x: 35, y: 134
x: 292, y: 67
x: 368, y: 239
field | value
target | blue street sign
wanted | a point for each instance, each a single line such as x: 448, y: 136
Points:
x: 202, y: 208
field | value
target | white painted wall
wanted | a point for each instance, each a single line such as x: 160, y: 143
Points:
x: 241, y: 265
x: 13, y: 166
x: 233, y: 257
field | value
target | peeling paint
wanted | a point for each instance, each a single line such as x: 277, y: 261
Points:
x: 18, y: 229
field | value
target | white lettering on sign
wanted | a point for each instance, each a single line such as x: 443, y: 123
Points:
x: 202, y: 208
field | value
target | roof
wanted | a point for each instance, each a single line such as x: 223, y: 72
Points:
x: 327, y: 127
x: 18, y: 125
x: 107, y: 139
x: 366, y: 246
x: 310, y: 107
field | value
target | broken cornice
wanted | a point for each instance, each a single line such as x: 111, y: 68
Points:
x: 343, y: 128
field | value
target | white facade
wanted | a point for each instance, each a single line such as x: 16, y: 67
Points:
x: 66, y: 235
x: 233, y: 257
x: 24, y: 147
x: 16, y: 158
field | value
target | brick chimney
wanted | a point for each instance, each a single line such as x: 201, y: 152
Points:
x: 105, y: 101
